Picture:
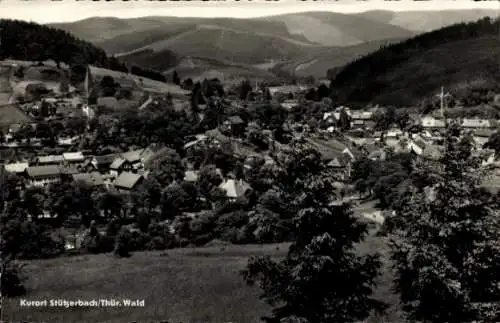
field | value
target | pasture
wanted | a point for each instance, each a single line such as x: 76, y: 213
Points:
x: 191, y: 285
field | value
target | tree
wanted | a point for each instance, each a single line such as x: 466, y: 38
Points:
x: 123, y: 243
x: 244, y: 89
x: 176, y: 79
x: 322, y: 91
x: 344, y: 122
x: 444, y: 243
x: 322, y: 279
x: 64, y: 86
x: 108, y: 86
x: 494, y: 142
x: 187, y: 84
x: 384, y: 120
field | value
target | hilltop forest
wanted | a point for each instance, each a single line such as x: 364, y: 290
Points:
x: 463, y: 57
x: 29, y: 41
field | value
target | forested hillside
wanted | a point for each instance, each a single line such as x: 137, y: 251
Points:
x: 33, y: 42
x: 28, y: 41
x: 461, y: 57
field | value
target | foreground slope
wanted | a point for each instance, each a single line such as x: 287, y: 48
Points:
x: 182, y: 285
x: 404, y: 73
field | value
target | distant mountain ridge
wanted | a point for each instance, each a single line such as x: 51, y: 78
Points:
x: 301, y: 44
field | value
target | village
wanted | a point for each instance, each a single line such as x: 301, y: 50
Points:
x: 342, y: 136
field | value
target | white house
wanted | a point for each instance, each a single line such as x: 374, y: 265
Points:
x: 431, y: 122
x: 476, y: 123
x: 76, y: 157
x: 16, y: 168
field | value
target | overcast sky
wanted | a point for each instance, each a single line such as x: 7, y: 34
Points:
x: 44, y: 11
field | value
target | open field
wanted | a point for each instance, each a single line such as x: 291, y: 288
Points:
x: 199, y: 68
x: 183, y: 285
x: 147, y: 84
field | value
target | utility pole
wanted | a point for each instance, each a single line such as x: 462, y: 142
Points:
x: 443, y: 96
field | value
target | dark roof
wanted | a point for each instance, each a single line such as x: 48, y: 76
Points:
x: 108, y: 101
x: 93, y: 179
x: 126, y: 83
x: 105, y: 159
x: 356, y: 152
x: 132, y: 156
x: 420, y: 143
x: 117, y: 163
x: 339, y: 162
x: 43, y: 171
x: 127, y: 180
x: 70, y: 170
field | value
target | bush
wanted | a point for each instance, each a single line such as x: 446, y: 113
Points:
x: 11, y: 281
x: 123, y: 243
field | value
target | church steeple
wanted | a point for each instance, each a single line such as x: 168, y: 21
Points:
x: 87, y: 84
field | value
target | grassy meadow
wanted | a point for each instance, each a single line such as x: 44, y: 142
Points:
x: 192, y: 285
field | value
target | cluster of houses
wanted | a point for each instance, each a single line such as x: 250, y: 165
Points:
x: 122, y: 172
x: 358, y: 119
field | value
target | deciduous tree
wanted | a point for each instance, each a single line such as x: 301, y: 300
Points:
x: 445, y: 244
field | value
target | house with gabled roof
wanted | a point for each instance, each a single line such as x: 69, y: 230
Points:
x: 476, y: 123
x: 361, y: 115
x: 358, y: 124
x: 235, y: 124
x: 235, y: 188
x: 127, y: 161
x: 127, y: 182
x: 102, y: 163
x: 133, y: 157
x: 417, y: 146
x: 429, y: 122
x: 289, y: 104
x: 117, y: 166
x: 74, y: 158
x: 40, y: 176
x: 339, y: 162
x: 16, y: 168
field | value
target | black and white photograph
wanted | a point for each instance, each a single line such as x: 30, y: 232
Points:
x: 249, y: 161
